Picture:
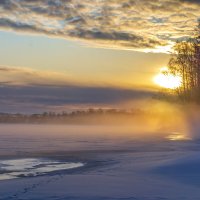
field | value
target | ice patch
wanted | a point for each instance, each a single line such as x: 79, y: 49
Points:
x: 16, y: 168
x: 176, y: 136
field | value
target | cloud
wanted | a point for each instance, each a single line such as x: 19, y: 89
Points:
x: 39, y: 98
x: 27, y: 76
x: 191, y: 1
x: 28, y: 90
x: 125, y: 24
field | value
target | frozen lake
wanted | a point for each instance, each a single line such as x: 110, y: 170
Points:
x: 97, y: 162
x: 17, y: 139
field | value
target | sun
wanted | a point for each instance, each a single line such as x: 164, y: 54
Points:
x: 167, y: 81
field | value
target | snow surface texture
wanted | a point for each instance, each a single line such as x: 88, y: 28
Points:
x: 121, y: 168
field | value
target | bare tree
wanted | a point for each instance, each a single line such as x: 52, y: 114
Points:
x: 185, y: 62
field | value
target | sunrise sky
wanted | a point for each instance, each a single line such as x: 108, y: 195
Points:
x: 59, y: 54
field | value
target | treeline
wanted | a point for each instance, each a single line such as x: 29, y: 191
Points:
x: 83, y: 116
x: 185, y: 63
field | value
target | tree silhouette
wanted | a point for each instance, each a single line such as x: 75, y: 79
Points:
x: 185, y: 63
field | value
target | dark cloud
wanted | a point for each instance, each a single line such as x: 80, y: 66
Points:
x: 98, y: 34
x: 19, y: 26
x: 124, y: 38
x: 47, y: 97
x: 191, y: 1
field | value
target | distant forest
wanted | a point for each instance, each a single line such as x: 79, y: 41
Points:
x: 96, y: 116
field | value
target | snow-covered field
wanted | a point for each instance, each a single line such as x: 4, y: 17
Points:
x: 114, y: 163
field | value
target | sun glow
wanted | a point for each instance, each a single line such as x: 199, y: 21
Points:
x: 167, y: 80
